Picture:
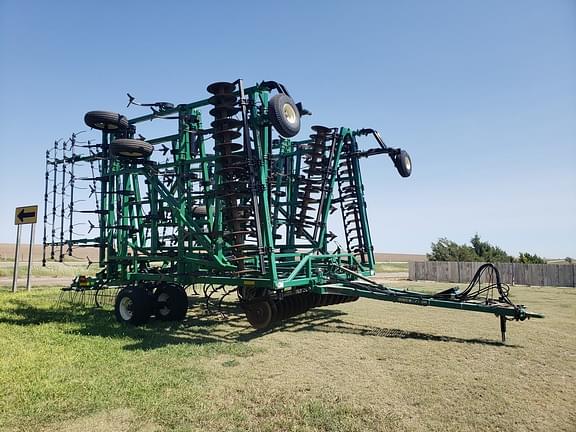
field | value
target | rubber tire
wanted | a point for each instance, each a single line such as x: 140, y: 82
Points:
x: 105, y: 120
x: 403, y: 163
x: 142, y: 303
x: 277, y: 116
x: 177, y: 303
x: 131, y: 148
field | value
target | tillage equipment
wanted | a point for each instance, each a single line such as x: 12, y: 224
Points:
x: 229, y: 201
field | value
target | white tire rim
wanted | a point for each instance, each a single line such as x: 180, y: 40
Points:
x: 125, y: 308
x: 163, y: 299
x: 407, y: 164
x: 289, y: 113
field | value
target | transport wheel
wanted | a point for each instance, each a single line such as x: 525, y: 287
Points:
x: 170, y: 302
x: 284, y: 115
x: 259, y: 314
x: 133, y: 306
x: 106, y: 121
x: 131, y: 148
x: 403, y: 163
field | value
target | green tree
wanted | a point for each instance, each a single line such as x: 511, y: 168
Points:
x: 526, y: 258
x: 447, y: 250
x: 489, y: 253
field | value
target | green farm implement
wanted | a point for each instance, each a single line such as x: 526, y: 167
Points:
x: 230, y: 201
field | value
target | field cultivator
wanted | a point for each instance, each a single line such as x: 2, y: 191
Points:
x: 232, y: 202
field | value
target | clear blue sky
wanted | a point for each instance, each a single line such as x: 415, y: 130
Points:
x: 481, y: 93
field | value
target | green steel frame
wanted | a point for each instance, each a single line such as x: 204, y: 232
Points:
x: 163, y: 222
x: 130, y: 223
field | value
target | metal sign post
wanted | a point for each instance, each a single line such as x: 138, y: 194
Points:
x: 30, y: 256
x: 16, y: 258
x: 24, y: 216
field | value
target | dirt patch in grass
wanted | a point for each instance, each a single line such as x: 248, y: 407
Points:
x: 395, y: 367
x: 116, y: 420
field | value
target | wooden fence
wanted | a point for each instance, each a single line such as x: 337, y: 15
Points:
x: 510, y: 273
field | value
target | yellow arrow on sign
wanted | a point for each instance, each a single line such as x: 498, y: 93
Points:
x: 26, y: 215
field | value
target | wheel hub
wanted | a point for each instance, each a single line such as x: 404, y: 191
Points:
x: 289, y: 113
x: 126, y: 308
x: 259, y: 314
x: 163, y: 300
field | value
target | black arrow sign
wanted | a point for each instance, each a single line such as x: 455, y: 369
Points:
x: 24, y: 215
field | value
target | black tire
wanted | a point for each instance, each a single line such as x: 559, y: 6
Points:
x: 131, y: 148
x: 284, y: 115
x: 403, y: 163
x: 106, y: 121
x: 170, y: 303
x: 133, y: 306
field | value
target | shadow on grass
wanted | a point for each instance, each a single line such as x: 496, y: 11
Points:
x: 200, y: 328
x: 91, y: 321
x: 330, y: 321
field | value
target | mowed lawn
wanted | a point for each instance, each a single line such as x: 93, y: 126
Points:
x: 363, y: 366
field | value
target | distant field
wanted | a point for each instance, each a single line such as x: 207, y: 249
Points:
x: 7, y: 251
x: 397, y: 257
x: 392, y: 267
x: 363, y: 366
x: 7, y: 254
x: 70, y: 269
x: 74, y: 266
x: 52, y: 269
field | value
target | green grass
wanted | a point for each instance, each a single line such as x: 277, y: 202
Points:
x: 362, y: 366
x: 64, y: 362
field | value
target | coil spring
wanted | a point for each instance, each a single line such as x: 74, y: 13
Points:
x: 311, y: 187
x: 349, y: 206
x: 231, y: 169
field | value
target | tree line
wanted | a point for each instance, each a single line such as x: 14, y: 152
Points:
x: 477, y: 250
